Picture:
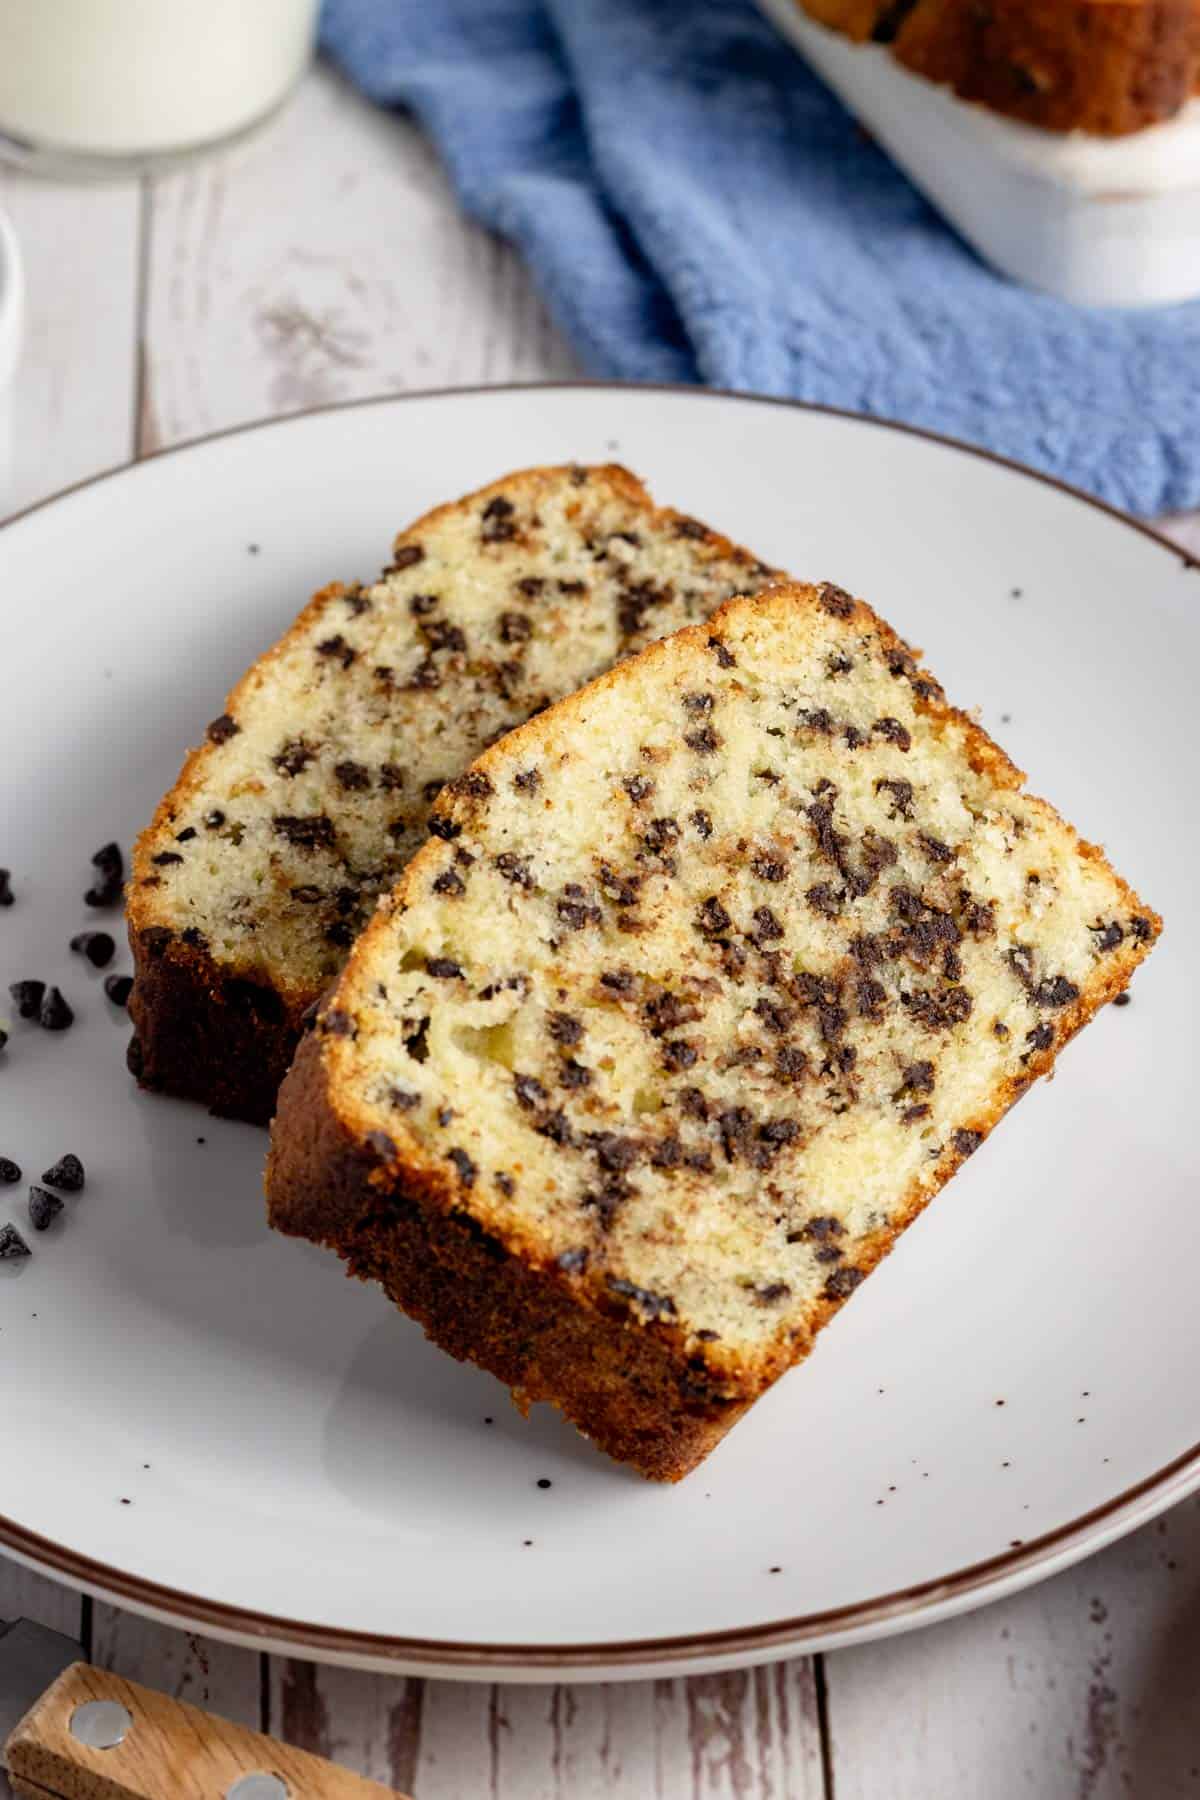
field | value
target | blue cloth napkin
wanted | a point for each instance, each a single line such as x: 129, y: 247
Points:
x: 695, y: 206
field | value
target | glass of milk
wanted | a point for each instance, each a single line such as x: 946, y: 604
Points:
x: 109, y: 86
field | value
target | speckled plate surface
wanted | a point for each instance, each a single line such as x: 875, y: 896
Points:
x: 212, y: 1425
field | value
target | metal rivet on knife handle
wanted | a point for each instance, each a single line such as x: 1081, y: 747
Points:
x: 101, y: 1724
x: 258, y: 1787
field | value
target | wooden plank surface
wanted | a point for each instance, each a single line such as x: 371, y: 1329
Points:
x: 211, y: 297
x: 321, y: 261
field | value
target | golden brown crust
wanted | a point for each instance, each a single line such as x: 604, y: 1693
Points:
x: 224, y: 1032
x: 1109, y: 67
x: 627, y: 1386
x: 390, y: 1217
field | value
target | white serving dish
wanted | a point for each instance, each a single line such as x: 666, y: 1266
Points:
x: 12, y: 318
x: 210, y: 1424
x: 1098, y: 221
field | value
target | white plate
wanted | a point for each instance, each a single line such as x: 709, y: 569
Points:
x: 1097, y: 221
x: 214, y: 1426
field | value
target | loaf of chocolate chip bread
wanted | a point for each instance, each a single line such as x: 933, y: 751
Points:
x: 314, y: 786
x: 710, y: 978
x: 1103, y: 66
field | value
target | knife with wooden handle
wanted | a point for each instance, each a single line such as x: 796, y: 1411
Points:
x: 71, y: 1732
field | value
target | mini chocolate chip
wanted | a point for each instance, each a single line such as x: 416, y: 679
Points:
x: 529, y: 1090
x: 310, y: 832
x: 725, y: 657
x: 449, y: 882
x: 106, y: 891
x: 934, y: 849
x: 911, y: 1114
x: 444, y: 968
x: 352, y: 776
x: 515, y: 628
x: 712, y: 919
x: 9, y: 1171
x: 417, y: 1042
x: 638, y: 787
x: 768, y: 868
x: 66, y: 1173
x: 698, y: 704
x: 966, y: 1142
x: 222, y: 729
x: 44, y: 1208
x: 835, y: 600
x: 774, y: 1291
x: 704, y: 742
x: 118, y: 988
x: 406, y: 557
x: 678, y: 1054
x: 1142, y: 929
x: 692, y: 528
x: 6, y: 893
x: 613, y: 1151
x: 1055, y: 991
x: 55, y: 1014
x: 97, y: 946
x: 894, y: 732
x: 564, y: 1029
x: 842, y: 1282
x: 918, y: 1078
x: 215, y: 819
x: 12, y: 1245
x: 337, y: 647
x: 576, y: 915
x: 1122, y: 999
x: 1041, y: 1037
x: 656, y: 1305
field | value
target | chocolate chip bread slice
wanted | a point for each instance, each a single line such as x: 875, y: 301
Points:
x: 314, y: 787
x: 709, y: 979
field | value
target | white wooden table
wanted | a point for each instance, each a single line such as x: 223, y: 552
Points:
x: 321, y: 261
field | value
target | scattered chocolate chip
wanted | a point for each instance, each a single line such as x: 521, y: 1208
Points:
x: 617, y: 981
x: 725, y: 657
x: 966, y: 1142
x: 1041, y: 1037
x: 638, y: 787
x: 842, y: 1282
x: 9, y: 1171
x: 704, y: 742
x: 27, y: 997
x: 449, y: 882
x: 773, y: 1292
x: 417, y: 1042
x: 222, y: 729
x: 514, y: 868
x: 215, y: 819
x: 118, y: 988
x: 97, y: 946
x: 1123, y: 999
x: 6, y: 893
x: 67, y: 1174
x: 918, y: 1078
x: 678, y: 1054
x: 406, y: 557
x: 44, y: 1208
x: 403, y: 1099
x: 574, y: 1074
x: 692, y: 528
x: 613, y: 1151
x: 12, y: 1245
x: 938, y: 1009
x: 790, y: 1063
x: 934, y: 849
x: 911, y: 1114
x: 55, y: 1014
x: 1142, y: 929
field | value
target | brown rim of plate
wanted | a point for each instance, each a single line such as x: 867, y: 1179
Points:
x: 805, y: 1631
